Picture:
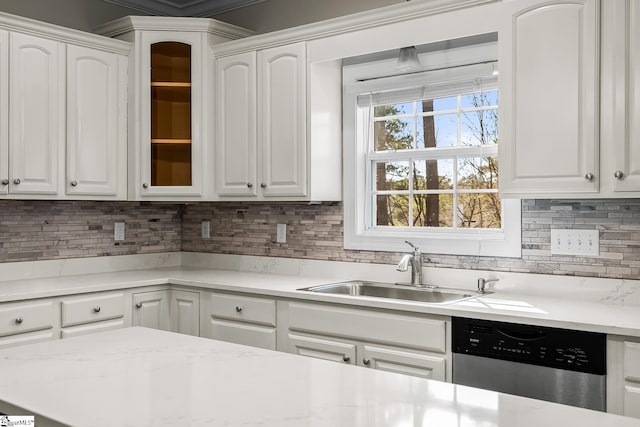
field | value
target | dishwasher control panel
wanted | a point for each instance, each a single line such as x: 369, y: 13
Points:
x: 535, y: 345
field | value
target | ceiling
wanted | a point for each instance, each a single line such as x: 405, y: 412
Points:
x: 184, y: 7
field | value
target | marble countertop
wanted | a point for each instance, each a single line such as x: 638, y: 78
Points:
x: 144, y: 377
x: 603, y: 305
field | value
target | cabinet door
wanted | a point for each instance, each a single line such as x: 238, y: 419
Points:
x: 37, y: 105
x: 282, y: 128
x: 96, y: 123
x: 169, y: 144
x: 151, y: 310
x: 184, y: 312
x: 323, y: 348
x: 4, y: 112
x: 621, y: 80
x: 404, y: 362
x: 549, y: 98
x: 236, y: 125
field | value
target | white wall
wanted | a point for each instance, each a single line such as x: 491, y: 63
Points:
x: 79, y: 14
x: 274, y: 15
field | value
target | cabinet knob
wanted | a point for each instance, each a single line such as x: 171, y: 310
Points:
x: 96, y: 309
x: 145, y: 185
x: 618, y: 174
x: 249, y: 185
x: 5, y: 181
x: 589, y: 177
x: 346, y: 358
x: 238, y: 309
x: 366, y: 361
x: 19, y: 320
x: 16, y: 181
x: 263, y: 185
x: 74, y: 183
x: 139, y: 305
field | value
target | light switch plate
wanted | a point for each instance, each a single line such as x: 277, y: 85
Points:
x: 281, y: 233
x: 206, y: 229
x: 575, y: 242
x: 118, y: 231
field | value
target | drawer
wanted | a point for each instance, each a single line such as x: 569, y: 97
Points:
x: 426, y: 333
x: 92, y: 328
x: 242, y: 308
x: 17, y: 318
x: 242, y: 333
x: 632, y: 361
x: 89, y: 309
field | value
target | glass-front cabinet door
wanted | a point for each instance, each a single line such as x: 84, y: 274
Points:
x: 171, y: 114
x: 170, y: 146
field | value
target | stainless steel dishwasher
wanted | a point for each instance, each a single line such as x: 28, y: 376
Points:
x: 557, y: 365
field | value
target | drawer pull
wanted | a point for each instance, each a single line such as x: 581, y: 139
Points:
x: 19, y: 320
x: 346, y: 358
x: 96, y: 309
x: 366, y: 361
x: 238, y: 309
x: 139, y: 305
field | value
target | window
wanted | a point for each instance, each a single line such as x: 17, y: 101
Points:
x: 421, y: 157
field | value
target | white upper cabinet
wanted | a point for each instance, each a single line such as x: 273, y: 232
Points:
x: 170, y: 137
x: 261, y: 119
x: 63, y: 103
x: 96, y: 123
x: 282, y: 87
x: 4, y: 112
x: 549, y: 73
x: 36, y: 114
x: 621, y: 98
x: 236, y: 143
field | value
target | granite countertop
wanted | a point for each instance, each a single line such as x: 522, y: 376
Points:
x: 144, y: 377
x: 601, y: 314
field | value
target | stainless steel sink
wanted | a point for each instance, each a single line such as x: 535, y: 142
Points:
x: 359, y: 288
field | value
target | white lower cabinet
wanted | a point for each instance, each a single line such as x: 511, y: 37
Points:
x: 27, y: 322
x: 623, y: 376
x: 391, y: 341
x: 151, y: 309
x: 239, y: 319
x: 91, y: 313
x: 184, y: 312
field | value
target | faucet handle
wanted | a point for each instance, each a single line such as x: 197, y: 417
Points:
x: 415, y: 248
x: 482, y: 282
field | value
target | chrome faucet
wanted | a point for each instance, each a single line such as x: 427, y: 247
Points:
x: 415, y: 259
x: 482, y: 282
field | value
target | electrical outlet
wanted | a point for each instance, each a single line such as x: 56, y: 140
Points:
x: 118, y: 231
x: 206, y: 229
x: 281, y: 233
x: 575, y: 242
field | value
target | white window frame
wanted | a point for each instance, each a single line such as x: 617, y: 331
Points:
x: 364, y: 78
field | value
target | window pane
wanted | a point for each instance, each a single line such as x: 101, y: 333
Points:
x: 433, y: 210
x: 480, y: 99
x: 392, y: 210
x: 446, y: 130
x: 479, y: 211
x: 391, y: 176
x: 394, y: 134
x: 392, y: 109
x: 479, y: 127
x: 433, y: 174
x: 477, y: 173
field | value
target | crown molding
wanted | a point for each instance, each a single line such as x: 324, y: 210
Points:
x: 161, y: 23
x: 189, y: 8
x: 386, y: 15
x: 62, y: 34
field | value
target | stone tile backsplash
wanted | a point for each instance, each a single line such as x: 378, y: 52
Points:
x: 38, y: 230
x: 315, y: 232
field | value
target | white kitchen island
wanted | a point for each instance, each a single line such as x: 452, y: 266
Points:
x: 144, y: 377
